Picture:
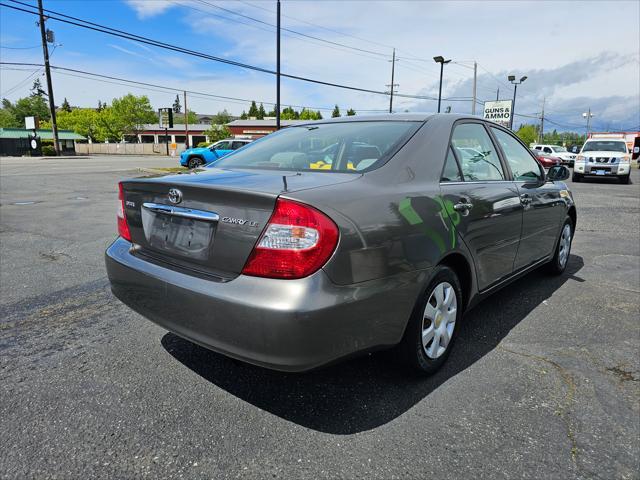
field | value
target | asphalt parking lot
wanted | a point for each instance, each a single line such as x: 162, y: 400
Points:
x: 544, y: 381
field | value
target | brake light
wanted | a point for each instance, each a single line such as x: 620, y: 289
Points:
x: 297, y: 241
x: 123, y: 226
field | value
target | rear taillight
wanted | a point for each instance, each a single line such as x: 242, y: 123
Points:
x: 123, y: 227
x: 297, y: 241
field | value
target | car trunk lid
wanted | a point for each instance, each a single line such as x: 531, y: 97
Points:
x: 208, y: 223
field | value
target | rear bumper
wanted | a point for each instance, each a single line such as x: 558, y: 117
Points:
x: 289, y: 325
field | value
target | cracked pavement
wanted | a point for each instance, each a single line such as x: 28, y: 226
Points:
x: 543, y: 382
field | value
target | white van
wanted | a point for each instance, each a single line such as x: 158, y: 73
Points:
x: 567, y: 157
x: 603, y: 157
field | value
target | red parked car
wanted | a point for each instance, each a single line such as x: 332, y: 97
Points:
x: 546, y: 160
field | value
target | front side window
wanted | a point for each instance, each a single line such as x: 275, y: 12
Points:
x: 547, y: 150
x: 522, y: 164
x: 477, y: 154
x: 337, y: 147
x: 237, y: 145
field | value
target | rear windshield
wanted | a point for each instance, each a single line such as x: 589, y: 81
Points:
x: 605, y: 146
x: 336, y: 147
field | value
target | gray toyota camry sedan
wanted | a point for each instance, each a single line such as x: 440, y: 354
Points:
x: 337, y: 237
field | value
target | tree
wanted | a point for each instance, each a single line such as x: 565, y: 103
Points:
x: 351, y: 112
x: 36, y: 89
x: 177, y: 108
x: 244, y: 116
x: 31, y: 106
x: 289, y: 113
x: 307, y: 114
x: 8, y: 119
x: 336, y: 112
x: 528, y: 134
x: 261, y: 112
x: 83, y: 121
x: 65, y: 105
x: 253, y: 110
x: 223, y: 117
x: 217, y: 132
x: 191, y: 117
x: 100, y: 105
x: 127, y: 115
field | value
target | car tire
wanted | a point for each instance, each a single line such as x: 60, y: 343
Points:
x: 624, y: 179
x: 435, y: 318
x: 561, y: 255
x: 194, y: 162
x: 576, y: 178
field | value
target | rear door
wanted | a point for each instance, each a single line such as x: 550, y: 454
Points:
x: 482, y: 201
x: 543, y: 208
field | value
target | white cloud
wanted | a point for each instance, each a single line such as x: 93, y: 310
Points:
x: 150, y: 8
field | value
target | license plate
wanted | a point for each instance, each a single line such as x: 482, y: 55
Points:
x: 600, y: 172
x: 182, y: 236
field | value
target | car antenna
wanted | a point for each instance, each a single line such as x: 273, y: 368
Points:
x: 284, y: 180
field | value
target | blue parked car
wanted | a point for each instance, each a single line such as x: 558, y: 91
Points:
x: 194, y: 157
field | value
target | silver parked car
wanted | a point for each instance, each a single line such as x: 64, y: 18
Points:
x: 340, y: 236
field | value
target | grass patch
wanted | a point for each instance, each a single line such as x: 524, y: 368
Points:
x: 173, y: 169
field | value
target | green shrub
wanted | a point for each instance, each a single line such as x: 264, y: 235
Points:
x: 48, y: 150
x: 203, y: 144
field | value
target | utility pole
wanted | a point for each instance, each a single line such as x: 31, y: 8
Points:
x: 541, y: 139
x: 52, y: 105
x: 393, y: 85
x: 186, y: 121
x: 475, y: 89
x: 498, y: 94
x: 278, y: 68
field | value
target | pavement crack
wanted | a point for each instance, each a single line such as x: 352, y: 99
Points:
x: 563, y: 412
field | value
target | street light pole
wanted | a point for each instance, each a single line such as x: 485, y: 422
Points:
x: 588, y: 115
x: 440, y: 59
x: 512, y: 79
x: 278, y: 68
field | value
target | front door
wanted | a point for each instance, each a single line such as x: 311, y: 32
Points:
x: 543, y: 207
x: 486, y: 205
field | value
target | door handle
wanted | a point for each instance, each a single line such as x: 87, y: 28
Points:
x: 462, y: 206
x: 525, y: 199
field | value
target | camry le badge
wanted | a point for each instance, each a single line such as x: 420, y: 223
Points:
x: 239, y: 221
x: 175, y: 195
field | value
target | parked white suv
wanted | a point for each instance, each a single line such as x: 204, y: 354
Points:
x: 567, y: 157
x: 603, y: 157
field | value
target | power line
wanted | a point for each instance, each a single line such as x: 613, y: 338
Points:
x: 119, y: 33
x: 137, y: 38
x: 385, y: 55
x: 20, y: 48
x: 168, y: 89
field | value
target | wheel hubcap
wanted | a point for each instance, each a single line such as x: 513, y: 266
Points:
x: 565, y: 245
x: 439, y: 320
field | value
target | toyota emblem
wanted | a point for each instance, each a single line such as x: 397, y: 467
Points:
x: 175, y: 195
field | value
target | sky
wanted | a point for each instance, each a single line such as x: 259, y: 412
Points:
x: 577, y: 55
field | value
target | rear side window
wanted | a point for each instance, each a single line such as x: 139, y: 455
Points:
x: 478, y: 157
x: 451, y: 172
x: 332, y: 147
x: 522, y: 164
x: 547, y: 150
x: 237, y: 145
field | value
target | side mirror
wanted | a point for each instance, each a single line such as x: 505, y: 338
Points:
x: 558, y: 172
